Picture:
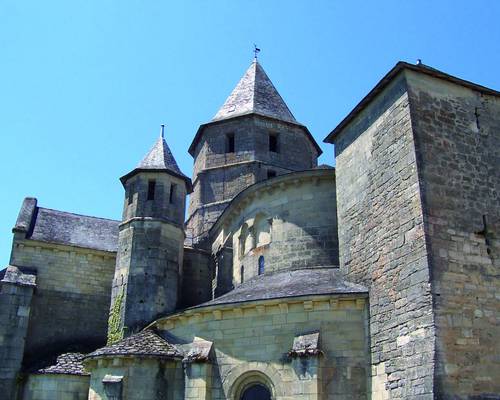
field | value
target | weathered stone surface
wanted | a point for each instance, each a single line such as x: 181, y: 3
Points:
x: 219, y: 175
x: 149, y: 262
x: 418, y: 163
x: 16, y: 291
x: 382, y: 241
x: 256, y: 338
x: 285, y: 223
x: 457, y: 135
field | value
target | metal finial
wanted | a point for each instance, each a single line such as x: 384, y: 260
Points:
x: 256, y: 51
x: 162, y: 131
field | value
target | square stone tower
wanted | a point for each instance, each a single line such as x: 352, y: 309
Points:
x: 418, y: 188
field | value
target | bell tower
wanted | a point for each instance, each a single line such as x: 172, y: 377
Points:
x: 254, y: 136
x: 150, y: 250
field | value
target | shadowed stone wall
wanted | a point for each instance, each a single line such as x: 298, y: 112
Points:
x: 148, y: 378
x: 196, y: 277
x: 458, y: 134
x: 382, y: 242
x: 71, y: 302
x: 16, y: 291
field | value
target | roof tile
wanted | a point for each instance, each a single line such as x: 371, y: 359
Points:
x: 145, y: 343
x: 255, y: 93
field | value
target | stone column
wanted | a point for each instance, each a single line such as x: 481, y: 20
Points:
x: 16, y: 292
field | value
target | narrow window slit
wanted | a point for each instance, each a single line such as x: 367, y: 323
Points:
x: 151, y: 189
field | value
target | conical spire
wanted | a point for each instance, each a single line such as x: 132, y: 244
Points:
x: 255, y: 93
x: 159, y: 158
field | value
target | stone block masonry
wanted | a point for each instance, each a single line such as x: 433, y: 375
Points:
x: 220, y: 173
x: 72, y: 297
x: 457, y: 133
x: 16, y: 292
x: 418, y: 194
x: 382, y: 242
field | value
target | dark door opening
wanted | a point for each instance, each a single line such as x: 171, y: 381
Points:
x: 256, y: 392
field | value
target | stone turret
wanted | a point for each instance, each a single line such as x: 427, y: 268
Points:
x: 253, y: 137
x: 150, y: 250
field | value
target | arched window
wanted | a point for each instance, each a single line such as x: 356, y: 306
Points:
x: 256, y: 392
x: 261, y: 265
x: 242, y: 274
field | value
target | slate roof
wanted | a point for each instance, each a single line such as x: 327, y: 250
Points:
x: 145, y: 343
x: 76, y: 230
x: 68, y: 364
x: 53, y: 226
x: 297, y: 283
x: 255, y: 93
x: 159, y: 158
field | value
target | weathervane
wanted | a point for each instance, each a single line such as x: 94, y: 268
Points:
x: 256, y: 50
x: 162, y: 131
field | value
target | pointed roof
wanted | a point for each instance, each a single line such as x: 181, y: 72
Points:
x: 159, y: 158
x: 255, y: 94
x: 146, y: 343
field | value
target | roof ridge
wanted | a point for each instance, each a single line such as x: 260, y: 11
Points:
x: 77, y: 214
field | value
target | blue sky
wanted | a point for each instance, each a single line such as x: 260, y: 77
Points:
x: 85, y: 85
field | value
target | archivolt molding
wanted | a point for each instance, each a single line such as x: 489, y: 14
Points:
x: 241, y: 376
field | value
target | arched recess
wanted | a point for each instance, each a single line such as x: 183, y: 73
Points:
x: 243, y: 376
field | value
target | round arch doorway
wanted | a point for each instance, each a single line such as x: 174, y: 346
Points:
x: 256, y: 391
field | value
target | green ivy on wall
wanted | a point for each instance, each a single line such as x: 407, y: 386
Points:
x: 115, y: 323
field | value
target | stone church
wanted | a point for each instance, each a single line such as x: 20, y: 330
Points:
x: 376, y: 279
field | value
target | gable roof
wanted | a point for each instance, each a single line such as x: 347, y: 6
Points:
x: 379, y: 87
x: 255, y: 94
x: 53, y: 226
x: 159, y: 158
x: 145, y: 343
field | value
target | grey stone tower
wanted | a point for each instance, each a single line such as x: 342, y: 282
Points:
x: 150, y: 250
x: 253, y: 137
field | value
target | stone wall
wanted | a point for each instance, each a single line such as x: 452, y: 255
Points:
x: 164, y: 205
x: 196, y: 277
x: 382, y: 242
x: 149, y: 262
x: 252, y: 341
x: 71, y: 303
x: 144, y: 378
x: 56, y: 387
x: 147, y: 275
x: 220, y: 175
x: 290, y: 221
x: 458, y: 134
x: 16, y: 291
